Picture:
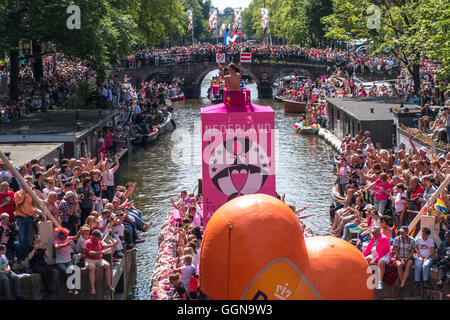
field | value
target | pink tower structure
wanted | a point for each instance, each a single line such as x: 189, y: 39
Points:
x: 238, y: 146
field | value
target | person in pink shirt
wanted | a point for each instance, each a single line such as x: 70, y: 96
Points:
x: 382, y: 190
x: 378, y: 252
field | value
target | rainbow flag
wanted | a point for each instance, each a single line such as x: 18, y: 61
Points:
x: 190, y: 19
x: 213, y: 19
x: 395, y: 231
x: 411, y: 234
x: 264, y: 20
x: 440, y: 207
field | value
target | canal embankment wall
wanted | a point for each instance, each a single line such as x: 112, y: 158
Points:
x: 331, y: 138
x: 123, y: 278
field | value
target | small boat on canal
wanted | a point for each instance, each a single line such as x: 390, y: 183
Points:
x: 148, y: 137
x: 214, y: 94
x: 294, y: 106
x: 277, y: 98
x: 308, y: 130
x: 164, y: 127
x: 180, y: 97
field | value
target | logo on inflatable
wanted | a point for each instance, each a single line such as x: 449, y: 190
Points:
x: 280, y: 280
x: 239, y: 166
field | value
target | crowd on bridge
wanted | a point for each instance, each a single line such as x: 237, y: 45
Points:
x: 343, y: 66
x: 378, y: 192
x: 357, y: 61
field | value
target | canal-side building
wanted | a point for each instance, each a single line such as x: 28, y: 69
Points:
x: 77, y: 130
x: 374, y: 114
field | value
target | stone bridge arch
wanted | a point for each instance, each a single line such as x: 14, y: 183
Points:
x: 193, y: 74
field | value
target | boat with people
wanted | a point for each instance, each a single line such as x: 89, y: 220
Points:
x: 150, y: 137
x: 308, y: 130
x: 214, y: 94
x: 302, y: 129
x: 180, y: 97
x: 294, y: 106
x: 164, y: 127
x: 277, y: 98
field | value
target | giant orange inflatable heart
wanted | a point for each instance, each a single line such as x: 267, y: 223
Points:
x: 253, y: 248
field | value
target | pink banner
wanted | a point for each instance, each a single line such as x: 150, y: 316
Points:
x: 238, y: 150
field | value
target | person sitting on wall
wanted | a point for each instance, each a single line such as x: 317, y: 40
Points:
x: 378, y: 252
x: 426, y: 116
x: 93, y: 251
x: 444, y: 259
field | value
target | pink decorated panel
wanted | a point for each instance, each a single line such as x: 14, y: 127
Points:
x: 238, y: 151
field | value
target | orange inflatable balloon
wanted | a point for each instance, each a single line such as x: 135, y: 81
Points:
x: 253, y: 248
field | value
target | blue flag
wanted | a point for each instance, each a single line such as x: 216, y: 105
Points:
x: 225, y: 37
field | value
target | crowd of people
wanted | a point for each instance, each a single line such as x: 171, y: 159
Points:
x: 83, y: 198
x: 57, y: 85
x: 176, y: 270
x: 378, y: 192
x: 347, y: 64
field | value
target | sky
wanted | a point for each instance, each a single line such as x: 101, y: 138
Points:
x: 222, y: 4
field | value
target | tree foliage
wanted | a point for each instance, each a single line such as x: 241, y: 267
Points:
x: 411, y: 30
x: 296, y: 21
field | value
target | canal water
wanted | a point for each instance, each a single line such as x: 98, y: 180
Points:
x: 304, y: 174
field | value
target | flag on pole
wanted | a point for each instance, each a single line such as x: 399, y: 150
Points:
x: 238, y: 19
x: 264, y: 19
x: 222, y: 29
x: 413, y: 231
x: 191, y: 22
x: 439, y: 207
x: 213, y: 19
x: 225, y: 37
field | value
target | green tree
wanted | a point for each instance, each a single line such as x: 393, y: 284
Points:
x: 410, y: 30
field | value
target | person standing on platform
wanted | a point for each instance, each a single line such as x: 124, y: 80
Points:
x: 25, y: 213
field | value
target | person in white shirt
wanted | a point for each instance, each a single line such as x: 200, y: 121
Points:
x: 186, y: 272
x: 423, y: 261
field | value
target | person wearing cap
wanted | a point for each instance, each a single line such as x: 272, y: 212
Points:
x: 8, y: 235
x: 404, y: 249
x: 423, y: 260
x: 25, y: 212
x: 63, y: 251
x: 444, y: 259
x: 93, y: 251
x: 378, y: 252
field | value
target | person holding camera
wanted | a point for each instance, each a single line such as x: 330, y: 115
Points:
x: 68, y: 207
x: 444, y: 259
x: 37, y: 258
